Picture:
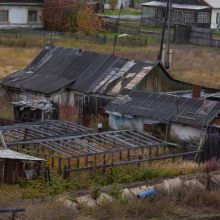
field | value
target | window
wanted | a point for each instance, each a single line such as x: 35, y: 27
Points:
x: 218, y: 18
x: 188, y: 16
x: 32, y: 15
x: 202, y: 17
x: 177, y: 15
x: 3, y: 15
x: 149, y: 12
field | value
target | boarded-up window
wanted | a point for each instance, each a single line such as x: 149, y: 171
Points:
x: 203, y: 17
x: 3, y: 15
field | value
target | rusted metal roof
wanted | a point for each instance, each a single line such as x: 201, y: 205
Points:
x: 164, y: 107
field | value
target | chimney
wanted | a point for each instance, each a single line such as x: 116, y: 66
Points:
x: 196, y: 94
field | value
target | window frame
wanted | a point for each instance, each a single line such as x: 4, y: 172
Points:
x: 28, y: 14
x: 7, y: 16
x: 204, y: 17
x: 217, y: 18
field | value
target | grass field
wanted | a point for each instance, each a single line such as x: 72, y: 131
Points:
x: 190, y: 63
x: 127, y: 11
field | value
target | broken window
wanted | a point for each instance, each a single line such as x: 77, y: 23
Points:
x: 3, y: 15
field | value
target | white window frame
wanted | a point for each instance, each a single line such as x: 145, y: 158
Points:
x: 189, y: 17
x: 177, y: 16
x: 203, y: 17
x: 218, y: 18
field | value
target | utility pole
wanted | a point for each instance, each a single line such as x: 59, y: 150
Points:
x: 167, y: 65
x: 163, y: 32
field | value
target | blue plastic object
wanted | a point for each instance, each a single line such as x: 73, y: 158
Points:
x: 147, y: 193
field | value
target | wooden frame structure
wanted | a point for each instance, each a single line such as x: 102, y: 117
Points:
x: 100, y: 150
x: 40, y: 130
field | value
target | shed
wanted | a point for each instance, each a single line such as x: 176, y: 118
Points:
x: 186, y: 117
x: 14, y: 164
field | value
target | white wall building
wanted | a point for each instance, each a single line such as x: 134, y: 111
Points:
x: 215, y: 15
x: 21, y: 13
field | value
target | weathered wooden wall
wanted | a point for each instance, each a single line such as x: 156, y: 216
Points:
x: 158, y: 81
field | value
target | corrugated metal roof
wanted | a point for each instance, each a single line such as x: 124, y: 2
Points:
x: 213, y: 3
x: 175, y: 6
x: 57, y: 68
x: 9, y: 154
x: 163, y: 107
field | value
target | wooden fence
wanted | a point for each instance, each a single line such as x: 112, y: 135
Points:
x: 63, y: 37
x: 201, y: 36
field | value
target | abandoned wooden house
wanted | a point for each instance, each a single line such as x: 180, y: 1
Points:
x: 90, y: 79
x: 182, y: 116
x: 201, y: 14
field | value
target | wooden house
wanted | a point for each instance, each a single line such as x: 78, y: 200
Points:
x: 201, y: 14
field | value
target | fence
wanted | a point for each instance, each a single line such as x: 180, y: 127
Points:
x: 45, y: 37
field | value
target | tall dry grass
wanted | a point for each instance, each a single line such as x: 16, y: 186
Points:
x: 14, y: 59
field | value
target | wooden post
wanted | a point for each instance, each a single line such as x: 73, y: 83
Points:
x: 68, y: 163
x: 64, y: 172
x: 48, y: 173
x: 25, y: 137
x: 104, y: 163
x: 59, y: 166
x: 77, y: 162
x: 120, y: 155
x: 139, y: 158
x: 52, y: 162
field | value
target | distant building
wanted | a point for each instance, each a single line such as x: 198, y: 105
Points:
x: 21, y: 13
x: 201, y: 14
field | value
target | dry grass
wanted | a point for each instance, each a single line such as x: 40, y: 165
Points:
x: 199, y: 65
x: 184, y: 202
x: 14, y: 59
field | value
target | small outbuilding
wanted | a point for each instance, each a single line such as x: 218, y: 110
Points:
x: 184, y: 117
x: 14, y: 164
